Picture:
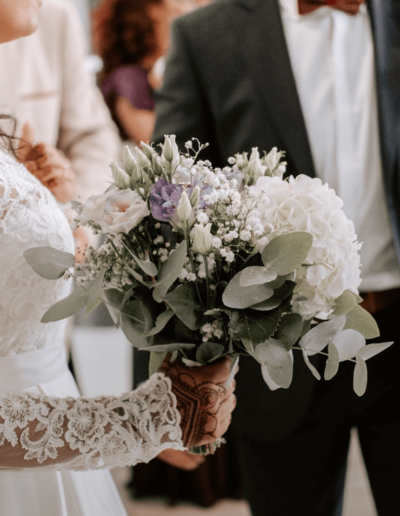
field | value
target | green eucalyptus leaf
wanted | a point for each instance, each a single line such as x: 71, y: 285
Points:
x: 156, y: 359
x: 256, y: 275
x: 360, y: 378
x: 289, y: 329
x: 96, y: 290
x: 185, y: 303
x: 170, y: 272
x: 280, y: 294
x: 332, y: 364
x: 48, y: 262
x: 285, y: 253
x: 280, y: 280
x: 248, y: 346
x: 208, y: 352
x: 316, y: 339
x: 161, y: 322
x: 147, y: 266
x: 345, y: 303
x: 310, y: 365
x: 90, y: 308
x: 371, y: 350
x: 360, y: 320
x: 132, y: 329
x: 348, y: 343
x: 67, y: 306
x: 113, y: 299
x: 278, y: 362
x: 235, y: 296
x: 174, y: 355
x: 253, y: 326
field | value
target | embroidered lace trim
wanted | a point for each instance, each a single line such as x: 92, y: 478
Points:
x: 100, y: 432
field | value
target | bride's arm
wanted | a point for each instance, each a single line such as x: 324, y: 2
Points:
x: 89, y: 433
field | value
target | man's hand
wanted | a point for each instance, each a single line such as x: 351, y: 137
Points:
x: 203, y: 401
x: 181, y: 459
x: 48, y: 165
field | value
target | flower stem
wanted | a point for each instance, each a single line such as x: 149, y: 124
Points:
x: 187, y: 238
x: 207, y: 280
x: 322, y: 353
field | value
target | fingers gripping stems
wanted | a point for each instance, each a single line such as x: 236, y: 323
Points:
x: 199, y: 404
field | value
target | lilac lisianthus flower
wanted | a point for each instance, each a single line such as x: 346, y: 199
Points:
x: 164, y: 199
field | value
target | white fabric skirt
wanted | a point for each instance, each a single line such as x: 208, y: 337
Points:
x: 47, y: 492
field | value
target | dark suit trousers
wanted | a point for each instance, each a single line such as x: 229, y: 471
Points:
x: 304, y: 474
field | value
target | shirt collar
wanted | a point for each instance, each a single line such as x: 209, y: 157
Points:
x: 292, y: 9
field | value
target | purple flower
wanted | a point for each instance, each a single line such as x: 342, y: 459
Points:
x: 164, y: 199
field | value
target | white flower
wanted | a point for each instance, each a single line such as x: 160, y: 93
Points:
x: 123, y: 211
x: 306, y: 204
x: 203, y: 239
x: 92, y: 209
x: 216, y: 242
x: 203, y: 217
x: 213, y: 197
x: 184, y: 209
x: 245, y: 235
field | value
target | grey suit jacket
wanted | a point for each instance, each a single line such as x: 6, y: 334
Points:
x: 229, y: 82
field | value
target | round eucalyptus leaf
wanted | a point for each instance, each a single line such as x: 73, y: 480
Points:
x: 236, y: 296
x: 48, y: 262
x: 256, y: 275
x: 332, y: 364
x: 360, y: 320
x: 285, y: 253
x: 360, y: 378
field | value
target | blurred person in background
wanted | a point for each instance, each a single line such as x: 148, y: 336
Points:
x: 66, y: 123
x: 130, y: 37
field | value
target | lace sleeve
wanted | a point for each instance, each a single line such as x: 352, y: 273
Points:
x: 89, y: 433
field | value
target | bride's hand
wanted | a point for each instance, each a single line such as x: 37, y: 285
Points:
x: 48, y: 165
x: 181, y: 459
x: 203, y: 401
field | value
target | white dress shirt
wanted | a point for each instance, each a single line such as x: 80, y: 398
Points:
x: 332, y: 57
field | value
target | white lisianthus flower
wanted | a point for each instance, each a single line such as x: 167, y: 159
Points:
x: 123, y: 211
x: 92, y: 209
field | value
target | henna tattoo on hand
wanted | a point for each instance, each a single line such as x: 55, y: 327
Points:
x: 198, y: 404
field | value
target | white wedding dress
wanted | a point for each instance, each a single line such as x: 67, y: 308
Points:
x: 37, y: 389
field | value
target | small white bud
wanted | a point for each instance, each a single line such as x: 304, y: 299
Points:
x: 203, y: 239
x: 184, y: 210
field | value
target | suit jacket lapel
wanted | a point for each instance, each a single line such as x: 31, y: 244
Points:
x: 266, y: 53
x: 385, y: 19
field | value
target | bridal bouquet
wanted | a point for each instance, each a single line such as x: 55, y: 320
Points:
x: 203, y: 262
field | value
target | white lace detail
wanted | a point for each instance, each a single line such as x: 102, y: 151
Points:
x: 106, y: 431
x: 97, y: 433
x: 29, y: 217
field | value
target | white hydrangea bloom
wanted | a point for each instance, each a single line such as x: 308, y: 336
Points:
x: 305, y: 204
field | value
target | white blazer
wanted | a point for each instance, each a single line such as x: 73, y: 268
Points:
x: 43, y: 81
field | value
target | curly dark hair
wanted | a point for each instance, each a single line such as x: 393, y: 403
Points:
x: 123, y: 32
x: 8, y: 141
